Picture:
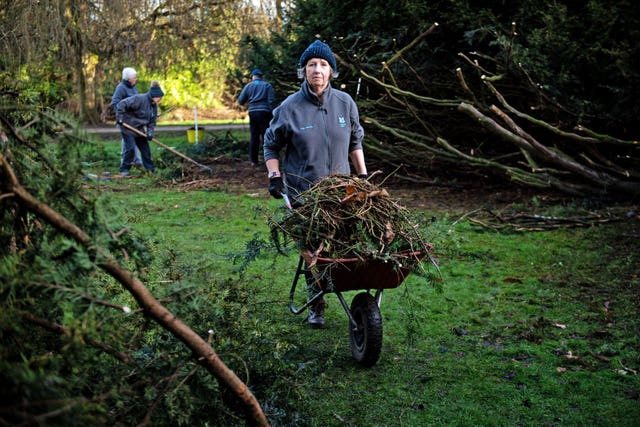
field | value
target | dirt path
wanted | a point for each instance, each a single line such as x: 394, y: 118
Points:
x: 241, y: 177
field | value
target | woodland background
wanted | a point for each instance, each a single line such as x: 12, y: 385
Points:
x: 543, y: 94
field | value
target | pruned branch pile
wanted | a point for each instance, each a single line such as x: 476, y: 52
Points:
x: 519, y: 222
x: 343, y: 217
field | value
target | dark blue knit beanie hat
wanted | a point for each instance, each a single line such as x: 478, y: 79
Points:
x: 155, y: 90
x: 317, y: 49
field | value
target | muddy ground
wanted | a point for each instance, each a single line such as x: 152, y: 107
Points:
x: 239, y: 176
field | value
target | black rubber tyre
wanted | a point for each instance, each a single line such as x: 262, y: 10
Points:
x: 366, y: 340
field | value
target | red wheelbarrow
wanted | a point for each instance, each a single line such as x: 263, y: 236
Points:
x: 351, y: 274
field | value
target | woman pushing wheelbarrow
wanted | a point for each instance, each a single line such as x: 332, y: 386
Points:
x: 318, y: 132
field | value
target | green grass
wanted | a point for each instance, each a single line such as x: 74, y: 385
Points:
x: 530, y: 329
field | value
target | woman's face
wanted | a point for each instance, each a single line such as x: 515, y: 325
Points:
x: 318, y: 72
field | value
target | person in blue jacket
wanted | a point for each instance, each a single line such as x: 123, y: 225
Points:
x: 317, y: 133
x: 140, y: 112
x: 261, y: 98
x: 125, y: 89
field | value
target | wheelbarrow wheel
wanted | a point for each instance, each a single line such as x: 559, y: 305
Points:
x: 366, y: 337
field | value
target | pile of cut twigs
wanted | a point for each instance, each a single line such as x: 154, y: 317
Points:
x: 343, y: 218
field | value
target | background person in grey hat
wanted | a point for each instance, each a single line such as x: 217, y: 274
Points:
x: 261, y: 98
x: 140, y: 112
x: 125, y: 89
x: 318, y: 130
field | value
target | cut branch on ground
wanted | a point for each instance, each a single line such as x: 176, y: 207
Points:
x: 203, y: 352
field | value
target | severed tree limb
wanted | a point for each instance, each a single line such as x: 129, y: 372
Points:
x: 535, y: 180
x: 515, y: 173
x: 593, y: 139
x: 605, y: 163
x: 425, y: 99
x: 474, y: 63
x: 203, y: 352
x: 602, y: 180
x: 532, y: 222
x: 411, y: 138
x: 465, y: 86
x: 410, y: 108
x: 413, y: 42
x: 530, y: 161
x: 605, y: 138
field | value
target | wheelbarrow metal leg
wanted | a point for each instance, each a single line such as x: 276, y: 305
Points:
x: 310, y: 301
x: 352, y: 321
x: 378, y: 296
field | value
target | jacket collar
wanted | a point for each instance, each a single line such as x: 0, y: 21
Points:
x: 311, y: 96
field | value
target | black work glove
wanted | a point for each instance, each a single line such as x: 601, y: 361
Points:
x: 276, y: 187
x: 150, y: 137
x: 118, y: 120
x: 363, y: 176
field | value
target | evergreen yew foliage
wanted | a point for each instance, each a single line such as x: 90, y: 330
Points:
x: 48, y: 314
x: 75, y: 348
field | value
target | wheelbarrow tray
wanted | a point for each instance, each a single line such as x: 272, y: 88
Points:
x: 347, y: 274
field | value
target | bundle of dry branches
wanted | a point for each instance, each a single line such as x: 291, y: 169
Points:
x: 533, y: 222
x: 344, y: 217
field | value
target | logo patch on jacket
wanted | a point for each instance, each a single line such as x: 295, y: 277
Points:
x: 342, y: 122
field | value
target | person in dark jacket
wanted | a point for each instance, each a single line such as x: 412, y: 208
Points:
x: 261, y: 98
x: 318, y: 131
x: 125, y: 89
x: 140, y: 112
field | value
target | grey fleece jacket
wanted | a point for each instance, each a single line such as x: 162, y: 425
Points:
x: 316, y: 137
